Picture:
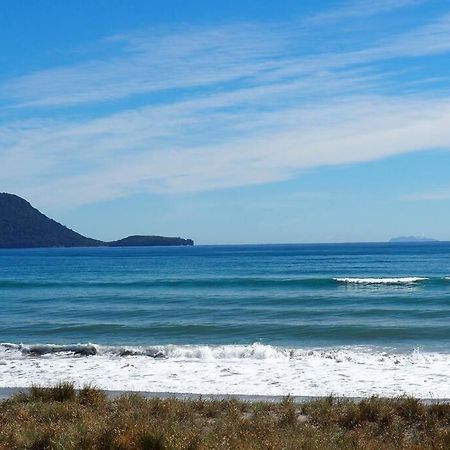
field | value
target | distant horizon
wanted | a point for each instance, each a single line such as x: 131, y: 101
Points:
x: 240, y: 244
x: 405, y: 239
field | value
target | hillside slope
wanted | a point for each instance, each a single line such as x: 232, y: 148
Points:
x: 23, y: 226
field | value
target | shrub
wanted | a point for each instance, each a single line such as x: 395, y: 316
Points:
x: 61, y: 392
x: 91, y: 396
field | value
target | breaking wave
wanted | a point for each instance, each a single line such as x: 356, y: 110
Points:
x: 254, y: 351
x: 400, y: 280
x: 211, y: 352
x: 218, y: 282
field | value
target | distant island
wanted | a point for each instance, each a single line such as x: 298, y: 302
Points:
x: 412, y: 239
x: 23, y: 226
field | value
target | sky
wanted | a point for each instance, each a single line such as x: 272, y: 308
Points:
x: 229, y: 121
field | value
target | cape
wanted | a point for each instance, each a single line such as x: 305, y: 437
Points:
x: 23, y: 226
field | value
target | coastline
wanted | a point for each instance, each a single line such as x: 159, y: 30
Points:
x: 234, y: 370
x: 8, y: 392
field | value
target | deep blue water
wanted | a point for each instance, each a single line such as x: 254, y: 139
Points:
x: 285, y: 295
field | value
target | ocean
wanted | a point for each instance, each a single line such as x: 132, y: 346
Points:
x: 309, y: 320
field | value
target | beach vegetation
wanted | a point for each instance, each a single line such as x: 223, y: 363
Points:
x: 63, y: 417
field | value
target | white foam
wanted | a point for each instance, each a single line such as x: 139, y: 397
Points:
x: 254, y: 370
x: 205, y: 352
x: 400, y: 280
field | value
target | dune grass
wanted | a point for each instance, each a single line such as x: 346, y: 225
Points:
x: 63, y: 418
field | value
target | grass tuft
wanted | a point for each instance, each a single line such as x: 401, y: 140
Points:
x: 91, y: 396
x: 61, y: 392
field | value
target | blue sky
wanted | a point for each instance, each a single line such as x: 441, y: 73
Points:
x: 229, y: 122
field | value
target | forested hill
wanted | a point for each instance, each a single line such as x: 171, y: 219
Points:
x: 22, y: 226
x: 148, y: 241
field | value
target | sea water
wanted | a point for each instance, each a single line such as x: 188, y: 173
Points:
x: 343, y: 319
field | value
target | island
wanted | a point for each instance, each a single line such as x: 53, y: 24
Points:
x: 23, y: 226
x: 412, y: 239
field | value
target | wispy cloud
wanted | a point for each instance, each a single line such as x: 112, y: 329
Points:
x: 124, y: 154
x: 362, y: 8
x: 155, y: 61
x: 218, y: 107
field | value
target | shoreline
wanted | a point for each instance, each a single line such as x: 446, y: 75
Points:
x: 8, y: 392
x: 267, y: 374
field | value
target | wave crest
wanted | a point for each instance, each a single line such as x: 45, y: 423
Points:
x: 200, y: 352
x: 399, y: 280
x: 256, y: 351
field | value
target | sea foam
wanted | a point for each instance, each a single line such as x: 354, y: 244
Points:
x: 180, y: 352
x: 399, y: 280
x: 231, y: 369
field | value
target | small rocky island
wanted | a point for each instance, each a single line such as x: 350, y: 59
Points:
x: 412, y: 239
x: 22, y: 226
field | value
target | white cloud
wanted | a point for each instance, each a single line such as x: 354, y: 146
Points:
x: 211, y: 58
x: 150, y: 62
x: 121, y: 155
x: 362, y: 8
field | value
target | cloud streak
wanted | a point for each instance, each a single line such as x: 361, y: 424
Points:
x: 188, y: 58
x: 362, y: 8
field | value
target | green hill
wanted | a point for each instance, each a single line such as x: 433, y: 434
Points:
x: 139, y: 241
x: 22, y: 226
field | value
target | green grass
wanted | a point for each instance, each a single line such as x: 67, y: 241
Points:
x: 63, y: 418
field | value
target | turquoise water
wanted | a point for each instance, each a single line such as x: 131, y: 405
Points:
x: 282, y: 295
